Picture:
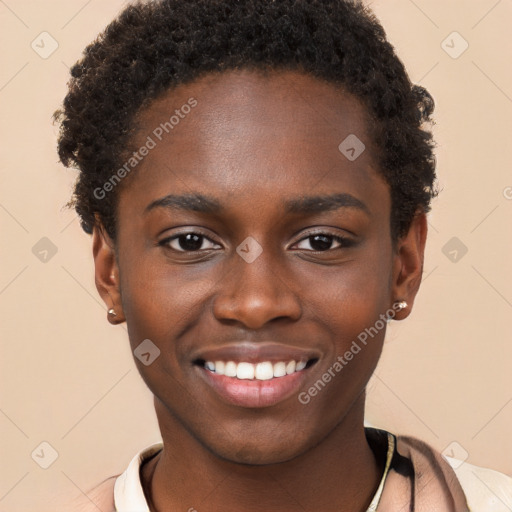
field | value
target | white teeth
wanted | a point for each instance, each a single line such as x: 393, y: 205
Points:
x: 230, y: 369
x: 245, y: 371
x: 260, y: 371
x: 279, y: 370
x: 290, y: 367
x: 264, y: 371
x: 300, y: 366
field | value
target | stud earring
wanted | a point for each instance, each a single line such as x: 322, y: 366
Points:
x: 397, y: 307
x: 112, y: 312
x: 400, y: 305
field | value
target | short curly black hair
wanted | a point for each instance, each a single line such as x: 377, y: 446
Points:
x: 153, y: 46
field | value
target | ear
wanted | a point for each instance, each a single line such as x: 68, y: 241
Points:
x: 408, y: 264
x: 106, y: 274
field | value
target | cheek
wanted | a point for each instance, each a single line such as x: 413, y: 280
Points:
x: 162, y: 306
x: 350, y: 298
x: 351, y: 305
x: 158, y: 301
x: 352, y: 318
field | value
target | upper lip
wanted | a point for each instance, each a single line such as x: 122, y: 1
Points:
x: 251, y: 352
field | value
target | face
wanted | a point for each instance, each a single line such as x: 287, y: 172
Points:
x: 246, y: 236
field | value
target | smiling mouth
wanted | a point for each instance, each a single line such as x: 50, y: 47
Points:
x: 259, y: 371
x: 254, y: 375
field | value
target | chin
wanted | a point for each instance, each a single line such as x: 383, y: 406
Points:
x: 258, y: 454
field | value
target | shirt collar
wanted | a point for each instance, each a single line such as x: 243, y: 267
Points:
x: 129, y: 495
x: 128, y: 492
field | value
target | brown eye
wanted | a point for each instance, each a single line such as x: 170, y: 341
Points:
x: 188, y: 242
x: 322, y: 242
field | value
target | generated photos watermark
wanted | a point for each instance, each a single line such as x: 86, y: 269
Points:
x: 152, y: 141
x: 341, y: 361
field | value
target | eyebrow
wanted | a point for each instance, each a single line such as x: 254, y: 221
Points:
x: 305, y: 204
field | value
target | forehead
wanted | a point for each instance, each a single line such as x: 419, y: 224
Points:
x: 255, y: 136
x: 267, y: 102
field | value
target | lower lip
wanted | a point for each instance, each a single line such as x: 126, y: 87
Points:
x: 254, y: 393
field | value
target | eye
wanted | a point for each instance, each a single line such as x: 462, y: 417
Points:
x: 322, y: 242
x: 188, y: 242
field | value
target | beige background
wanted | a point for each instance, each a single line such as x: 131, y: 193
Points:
x: 67, y: 376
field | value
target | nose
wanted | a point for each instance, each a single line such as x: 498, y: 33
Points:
x: 256, y: 293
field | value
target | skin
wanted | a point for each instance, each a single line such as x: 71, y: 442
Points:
x: 253, y: 142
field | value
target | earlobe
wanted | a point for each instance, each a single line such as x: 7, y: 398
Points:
x: 408, y: 264
x: 106, y: 275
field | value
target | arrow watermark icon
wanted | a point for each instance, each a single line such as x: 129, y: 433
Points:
x: 146, y: 352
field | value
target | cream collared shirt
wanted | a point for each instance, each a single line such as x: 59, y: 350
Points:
x: 485, y: 490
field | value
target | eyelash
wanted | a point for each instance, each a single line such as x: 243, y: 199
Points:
x: 343, y: 241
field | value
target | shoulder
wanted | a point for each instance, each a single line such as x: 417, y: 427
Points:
x: 486, y: 490
x: 123, y: 491
x: 100, y: 497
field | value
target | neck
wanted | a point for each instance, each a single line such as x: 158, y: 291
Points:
x: 339, y: 474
